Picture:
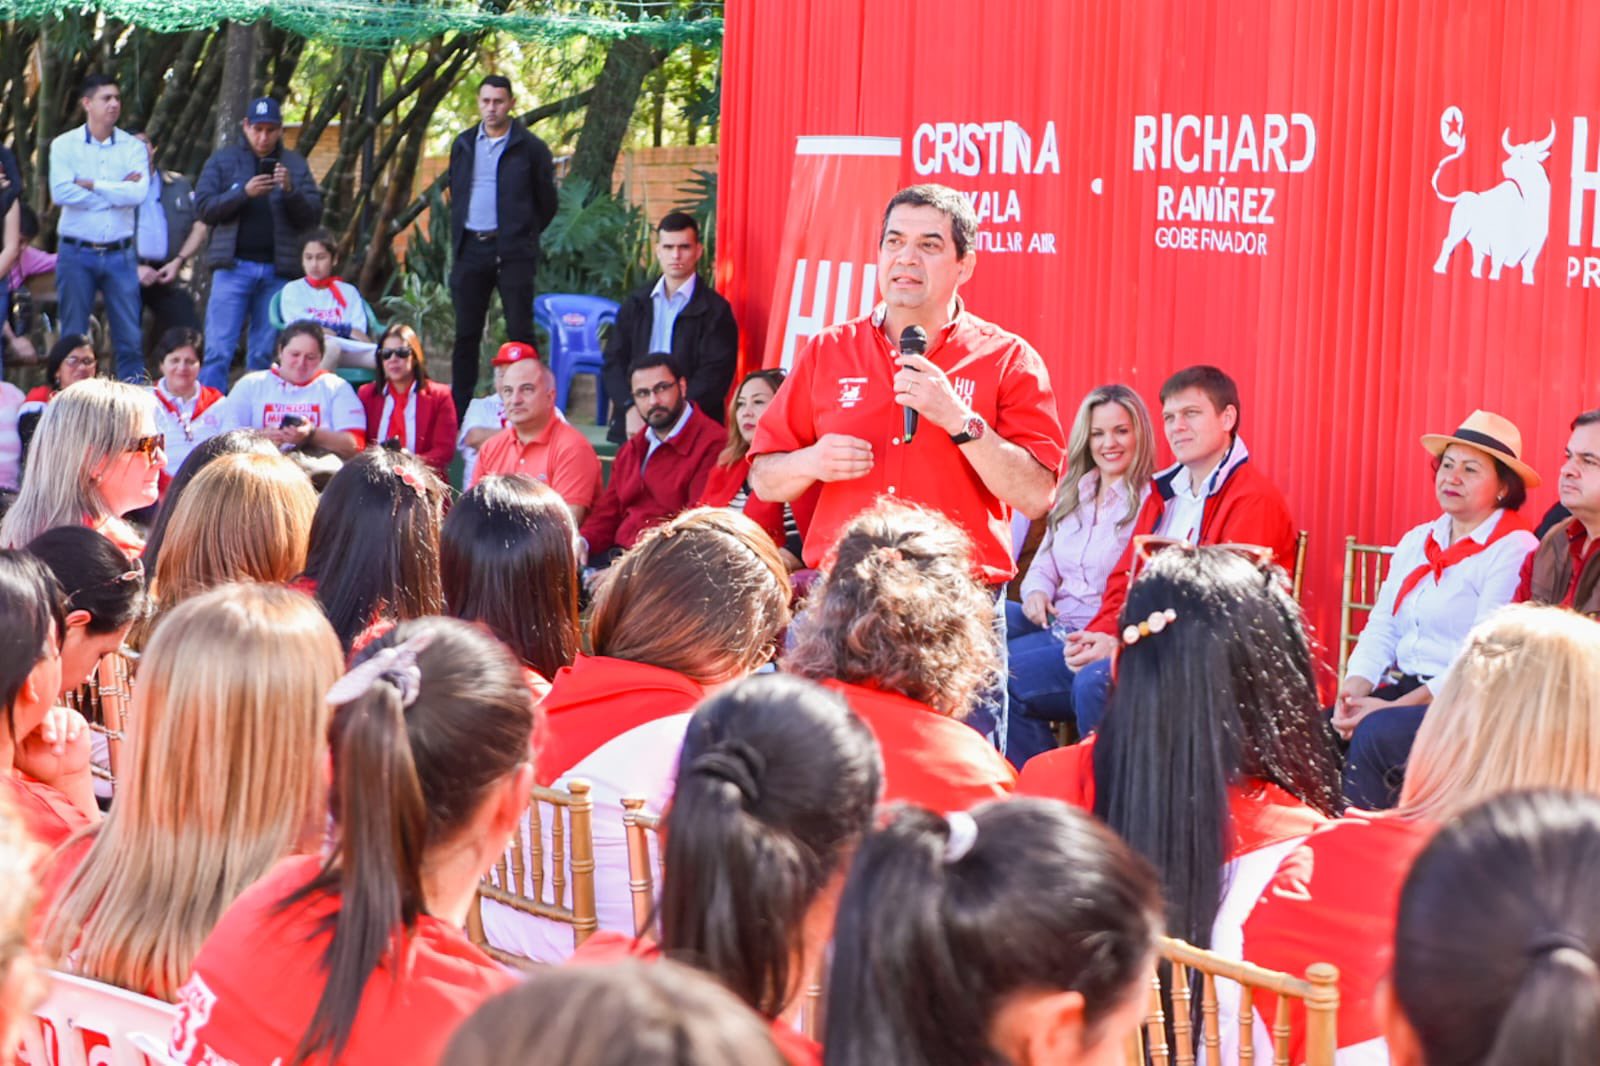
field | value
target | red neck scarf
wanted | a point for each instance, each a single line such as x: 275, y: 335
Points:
x: 1442, y: 559
x: 329, y: 284
x: 397, y: 413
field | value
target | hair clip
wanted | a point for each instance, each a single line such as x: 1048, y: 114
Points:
x: 396, y: 665
x: 1132, y: 633
x: 963, y: 830
x: 412, y: 479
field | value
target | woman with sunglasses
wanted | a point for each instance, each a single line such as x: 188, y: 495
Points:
x: 297, y: 404
x: 1447, y: 575
x: 404, y: 405
x: 187, y: 412
x: 1214, y: 759
x: 332, y: 303
x: 97, y: 456
x: 728, y: 484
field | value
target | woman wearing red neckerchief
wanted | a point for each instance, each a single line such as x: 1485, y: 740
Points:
x: 406, y: 406
x: 332, y: 303
x: 186, y: 411
x: 1446, y: 576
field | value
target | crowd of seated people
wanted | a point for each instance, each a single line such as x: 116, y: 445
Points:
x: 364, y: 625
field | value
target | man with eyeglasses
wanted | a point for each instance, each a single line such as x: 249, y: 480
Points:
x: 661, y: 470
x: 537, y: 442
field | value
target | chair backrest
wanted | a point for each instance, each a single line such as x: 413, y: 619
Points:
x: 105, y: 701
x: 84, y: 1021
x: 1299, y: 564
x: 519, y: 879
x: 574, y: 322
x: 1165, y: 1041
x: 1364, y: 568
x: 639, y: 826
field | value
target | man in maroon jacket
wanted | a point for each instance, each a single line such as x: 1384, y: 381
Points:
x: 1213, y: 494
x: 661, y: 470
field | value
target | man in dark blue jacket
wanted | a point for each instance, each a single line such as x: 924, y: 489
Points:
x: 502, y: 185
x: 259, y: 199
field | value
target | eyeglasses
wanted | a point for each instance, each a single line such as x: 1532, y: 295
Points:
x: 386, y: 354
x: 661, y: 389
x: 79, y: 361
x: 148, y: 446
x: 1147, y: 546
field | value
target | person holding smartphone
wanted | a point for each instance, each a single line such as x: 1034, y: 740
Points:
x: 260, y: 200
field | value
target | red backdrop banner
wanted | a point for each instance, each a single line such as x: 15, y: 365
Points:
x: 1377, y: 215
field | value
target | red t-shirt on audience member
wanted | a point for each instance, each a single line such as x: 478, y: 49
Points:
x: 46, y: 812
x: 1335, y: 899
x: 257, y: 979
x: 605, y: 947
x: 928, y: 758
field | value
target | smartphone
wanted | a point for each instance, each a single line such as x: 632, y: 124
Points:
x: 290, y: 421
x: 266, y: 166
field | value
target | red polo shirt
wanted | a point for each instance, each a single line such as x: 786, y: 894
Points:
x: 929, y: 759
x: 560, y: 456
x: 843, y: 382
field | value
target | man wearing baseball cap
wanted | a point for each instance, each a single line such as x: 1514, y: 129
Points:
x: 537, y: 442
x: 260, y: 200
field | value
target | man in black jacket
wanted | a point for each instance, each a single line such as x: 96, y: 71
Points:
x: 680, y: 314
x: 502, y: 185
x: 259, y: 199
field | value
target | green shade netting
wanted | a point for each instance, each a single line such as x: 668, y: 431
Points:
x: 379, y: 24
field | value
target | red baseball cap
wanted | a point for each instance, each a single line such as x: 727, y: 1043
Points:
x: 514, y: 352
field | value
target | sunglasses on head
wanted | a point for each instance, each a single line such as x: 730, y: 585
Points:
x: 1147, y: 546
x: 386, y: 354
x: 148, y: 446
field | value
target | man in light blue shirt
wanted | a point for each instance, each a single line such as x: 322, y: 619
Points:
x: 99, y: 175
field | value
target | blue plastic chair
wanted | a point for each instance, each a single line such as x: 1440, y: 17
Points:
x: 574, y: 323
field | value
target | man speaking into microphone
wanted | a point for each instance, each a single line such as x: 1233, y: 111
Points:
x: 968, y: 427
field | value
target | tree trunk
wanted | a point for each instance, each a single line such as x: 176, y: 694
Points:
x: 616, y: 93
x: 238, y: 68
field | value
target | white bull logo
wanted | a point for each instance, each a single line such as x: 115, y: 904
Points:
x: 1507, y: 224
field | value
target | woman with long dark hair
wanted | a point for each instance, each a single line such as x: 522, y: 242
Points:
x: 359, y: 956
x: 374, y: 552
x: 1214, y: 759
x: 700, y: 601
x: 508, y: 561
x: 728, y: 484
x: 1021, y: 933
x: 777, y: 782
x: 1497, y: 950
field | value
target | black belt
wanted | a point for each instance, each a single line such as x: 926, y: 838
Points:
x: 483, y: 234
x: 93, y: 246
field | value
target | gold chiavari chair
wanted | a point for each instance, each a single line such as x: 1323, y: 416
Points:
x: 106, y: 702
x: 1298, y: 578
x: 1364, y: 568
x: 639, y: 825
x: 1318, y: 991
x: 519, y: 880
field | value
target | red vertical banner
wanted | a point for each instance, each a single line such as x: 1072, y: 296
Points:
x: 827, y: 271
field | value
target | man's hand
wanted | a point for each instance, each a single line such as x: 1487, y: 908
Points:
x: 1038, y: 609
x: 260, y: 185
x: 1347, y: 713
x: 168, y: 272
x: 1085, y: 647
x: 87, y: 183
x: 148, y: 275
x: 837, y: 457
x: 132, y: 175
x: 924, y: 388
x: 280, y: 178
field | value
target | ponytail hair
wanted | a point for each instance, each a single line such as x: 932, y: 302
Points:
x: 945, y: 917
x: 434, y: 713
x: 777, y: 782
x: 1495, y: 947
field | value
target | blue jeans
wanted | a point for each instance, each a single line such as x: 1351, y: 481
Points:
x: 244, y: 289
x: 80, y: 272
x: 989, y: 714
x: 1039, y: 684
x: 1091, y: 686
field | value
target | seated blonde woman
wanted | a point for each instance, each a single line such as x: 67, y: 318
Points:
x: 245, y: 517
x: 225, y: 779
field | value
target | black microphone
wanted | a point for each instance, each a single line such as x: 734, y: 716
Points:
x: 913, y: 341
